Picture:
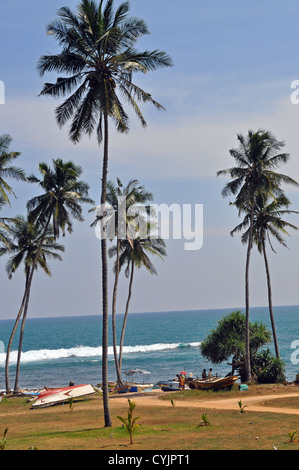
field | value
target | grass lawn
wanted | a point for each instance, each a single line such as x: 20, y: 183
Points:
x: 168, y: 427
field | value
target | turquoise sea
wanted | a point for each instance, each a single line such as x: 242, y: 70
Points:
x: 60, y: 349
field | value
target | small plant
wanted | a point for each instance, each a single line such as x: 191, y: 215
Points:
x: 3, y: 441
x: 71, y: 404
x: 172, y: 401
x: 130, y: 423
x: 204, y: 420
x: 241, y: 407
x: 293, y: 436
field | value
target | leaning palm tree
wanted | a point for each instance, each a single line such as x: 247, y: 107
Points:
x: 98, y: 60
x: 257, y: 157
x: 135, y: 254
x: 31, y: 246
x: 267, y: 223
x: 61, y: 202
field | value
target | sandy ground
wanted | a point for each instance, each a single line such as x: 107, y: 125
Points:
x: 253, y: 403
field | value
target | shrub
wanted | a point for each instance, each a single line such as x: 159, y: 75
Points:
x: 267, y: 368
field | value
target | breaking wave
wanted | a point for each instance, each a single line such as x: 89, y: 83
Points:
x: 89, y: 352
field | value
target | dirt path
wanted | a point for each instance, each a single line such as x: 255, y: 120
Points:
x: 253, y: 403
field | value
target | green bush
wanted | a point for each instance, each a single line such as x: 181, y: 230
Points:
x: 267, y: 368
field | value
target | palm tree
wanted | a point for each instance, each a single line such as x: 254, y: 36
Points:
x: 267, y: 222
x: 136, y: 253
x: 7, y: 169
x: 124, y: 201
x: 98, y: 59
x: 62, y: 198
x: 61, y: 201
x: 126, y: 205
x: 31, y: 246
x: 257, y: 156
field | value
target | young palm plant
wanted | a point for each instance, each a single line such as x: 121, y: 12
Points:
x: 31, y: 246
x: 267, y: 222
x: 98, y: 60
x: 257, y: 157
x: 136, y: 253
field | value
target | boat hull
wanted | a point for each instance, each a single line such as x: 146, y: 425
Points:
x: 61, y: 395
x: 213, y: 384
x: 165, y: 388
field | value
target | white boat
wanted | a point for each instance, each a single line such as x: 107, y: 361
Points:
x: 52, y: 396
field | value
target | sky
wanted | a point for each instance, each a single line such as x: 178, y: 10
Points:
x: 234, y: 63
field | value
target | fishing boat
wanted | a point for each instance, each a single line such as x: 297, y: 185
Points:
x: 53, y: 396
x: 169, y: 385
x: 123, y: 389
x: 214, y: 383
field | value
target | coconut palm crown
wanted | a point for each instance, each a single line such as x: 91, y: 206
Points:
x: 97, y: 60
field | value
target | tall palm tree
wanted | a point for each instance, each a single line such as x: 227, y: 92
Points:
x: 258, y: 155
x: 136, y: 253
x: 31, y: 246
x: 125, y: 202
x: 98, y: 60
x: 126, y: 206
x: 267, y: 222
x: 61, y: 201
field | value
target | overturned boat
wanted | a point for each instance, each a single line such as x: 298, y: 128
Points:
x: 53, y: 396
x: 213, y: 383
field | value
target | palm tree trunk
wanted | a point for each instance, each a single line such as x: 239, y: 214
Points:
x: 125, y: 317
x: 107, y: 418
x: 247, y: 354
x: 7, y: 385
x: 118, y: 374
x: 270, y: 301
x: 16, y: 386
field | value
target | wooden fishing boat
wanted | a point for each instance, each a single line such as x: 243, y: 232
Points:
x: 52, y: 396
x: 122, y: 389
x: 214, y: 383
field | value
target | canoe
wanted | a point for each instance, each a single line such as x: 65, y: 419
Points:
x: 169, y: 386
x: 49, y: 397
x: 214, y: 383
x: 122, y: 390
x: 166, y: 388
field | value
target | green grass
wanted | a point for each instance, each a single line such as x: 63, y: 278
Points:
x: 161, y: 427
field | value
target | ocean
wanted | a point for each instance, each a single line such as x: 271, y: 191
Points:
x: 58, y: 350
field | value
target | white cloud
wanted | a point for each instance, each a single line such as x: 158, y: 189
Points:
x: 189, y: 145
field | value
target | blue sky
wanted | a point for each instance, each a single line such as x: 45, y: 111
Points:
x: 233, y: 66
